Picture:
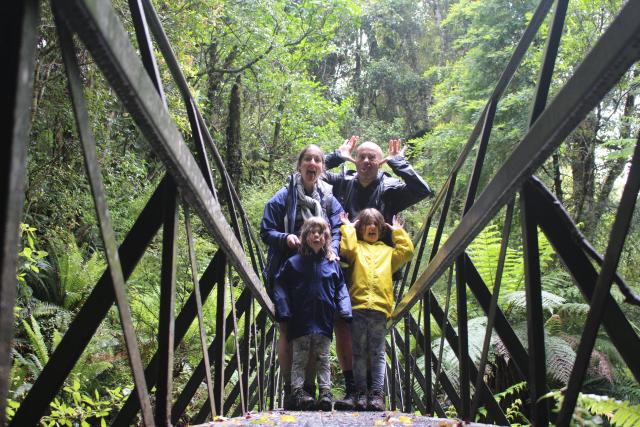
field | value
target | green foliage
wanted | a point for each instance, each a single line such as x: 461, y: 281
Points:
x: 590, y: 408
x: 65, y: 277
x: 78, y: 408
x: 29, y: 258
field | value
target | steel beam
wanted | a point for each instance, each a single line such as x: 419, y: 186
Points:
x: 18, y: 23
x: 535, y: 317
x: 213, y: 274
x: 166, y: 325
x: 567, y: 240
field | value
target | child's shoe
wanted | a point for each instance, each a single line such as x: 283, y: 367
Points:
x: 375, y: 401
x: 301, y: 400
x: 360, y: 401
x: 325, y: 400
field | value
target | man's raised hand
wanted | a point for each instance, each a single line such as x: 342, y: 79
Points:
x: 395, y: 149
x: 347, y: 148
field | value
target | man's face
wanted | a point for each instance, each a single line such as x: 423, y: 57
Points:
x: 368, y: 159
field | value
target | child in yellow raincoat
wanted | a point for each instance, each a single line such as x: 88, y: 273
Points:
x: 371, y: 290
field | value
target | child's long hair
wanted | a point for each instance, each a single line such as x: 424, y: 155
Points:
x: 307, y: 227
x: 370, y: 215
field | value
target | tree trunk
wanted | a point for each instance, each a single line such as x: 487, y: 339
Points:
x: 616, y: 166
x: 234, y: 148
x: 582, y: 144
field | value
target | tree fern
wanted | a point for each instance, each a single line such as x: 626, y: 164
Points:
x: 518, y: 301
x: 619, y: 413
x: 36, y: 340
x: 560, y: 358
x: 559, y: 354
x: 599, y: 365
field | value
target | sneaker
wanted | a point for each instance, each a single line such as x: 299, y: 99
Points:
x: 345, y: 404
x: 325, y: 401
x: 302, y: 400
x: 375, y: 401
x: 360, y: 402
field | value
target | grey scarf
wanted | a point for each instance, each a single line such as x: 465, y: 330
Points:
x: 309, y: 206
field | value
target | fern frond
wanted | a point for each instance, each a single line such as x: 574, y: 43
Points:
x: 515, y: 389
x: 36, y: 340
x: 45, y: 309
x: 619, y: 413
x: 599, y: 365
x: 518, y: 299
x: 556, y: 279
x: 560, y: 358
x: 554, y: 325
x: 573, y: 314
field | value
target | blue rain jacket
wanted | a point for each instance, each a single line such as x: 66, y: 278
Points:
x: 284, y: 204
x: 308, y: 291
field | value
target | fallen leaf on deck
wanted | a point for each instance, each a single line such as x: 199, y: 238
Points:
x: 405, y: 420
x: 288, y: 419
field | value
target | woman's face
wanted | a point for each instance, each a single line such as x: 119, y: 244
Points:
x: 310, y: 167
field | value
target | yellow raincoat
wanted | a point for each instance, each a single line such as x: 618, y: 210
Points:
x: 373, y: 264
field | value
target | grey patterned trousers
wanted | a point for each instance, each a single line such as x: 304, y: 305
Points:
x: 368, y: 330
x: 304, y: 348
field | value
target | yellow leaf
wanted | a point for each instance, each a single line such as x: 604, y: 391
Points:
x: 381, y: 423
x: 288, y: 419
x: 405, y: 420
x: 220, y: 418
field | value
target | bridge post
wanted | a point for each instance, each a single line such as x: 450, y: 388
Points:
x: 19, y: 22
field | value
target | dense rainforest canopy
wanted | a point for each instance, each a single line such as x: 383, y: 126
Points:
x: 274, y: 75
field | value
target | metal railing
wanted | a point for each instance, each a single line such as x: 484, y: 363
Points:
x: 189, y: 182
x: 615, y: 52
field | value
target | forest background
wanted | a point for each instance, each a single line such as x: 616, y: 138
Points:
x: 273, y: 76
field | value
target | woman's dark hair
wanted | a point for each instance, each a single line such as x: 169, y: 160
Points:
x: 304, y: 151
x: 309, y: 225
x: 370, y: 215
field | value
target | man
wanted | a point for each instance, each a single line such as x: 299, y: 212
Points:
x: 367, y: 187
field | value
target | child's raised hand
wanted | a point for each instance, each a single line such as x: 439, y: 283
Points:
x: 397, y: 223
x: 344, y: 217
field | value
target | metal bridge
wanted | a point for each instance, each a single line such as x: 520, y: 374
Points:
x: 189, y: 182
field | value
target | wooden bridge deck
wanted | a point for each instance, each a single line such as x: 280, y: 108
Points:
x: 335, y: 419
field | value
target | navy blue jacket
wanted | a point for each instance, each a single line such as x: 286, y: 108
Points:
x: 308, y: 290
x: 272, y: 227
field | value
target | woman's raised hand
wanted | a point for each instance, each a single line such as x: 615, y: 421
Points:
x: 293, y: 241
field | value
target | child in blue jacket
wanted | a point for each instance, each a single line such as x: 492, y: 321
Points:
x: 308, y: 290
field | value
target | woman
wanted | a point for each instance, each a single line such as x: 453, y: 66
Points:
x: 305, y: 196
